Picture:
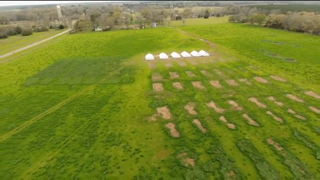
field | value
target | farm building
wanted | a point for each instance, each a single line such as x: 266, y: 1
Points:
x: 185, y: 54
x: 195, y: 54
x: 203, y: 53
x: 175, y: 55
x: 149, y: 57
x: 163, y: 56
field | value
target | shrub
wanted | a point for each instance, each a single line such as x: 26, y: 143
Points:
x: 61, y: 26
x: 18, y: 29
x: 26, y: 32
x: 3, y: 36
x: 205, y: 16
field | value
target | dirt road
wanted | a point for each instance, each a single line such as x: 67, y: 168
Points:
x: 34, y: 44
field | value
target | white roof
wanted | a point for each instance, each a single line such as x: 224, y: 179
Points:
x: 149, y: 57
x: 195, y: 54
x: 203, y: 53
x: 185, y: 54
x: 175, y: 55
x: 163, y: 56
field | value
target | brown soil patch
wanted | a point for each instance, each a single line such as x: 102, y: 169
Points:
x: 182, y: 63
x: 260, y: 79
x: 295, y: 98
x: 218, y: 72
x: 213, y: 105
x: 156, y: 77
x: 198, y: 123
x: 222, y: 60
x: 259, y: 104
x: 206, y: 73
x: 231, y: 126
x: 291, y: 111
x: 235, y: 106
x: 275, y: 117
x: 174, y: 75
x: 250, y: 121
x: 271, y: 98
x: 223, y: 119
x: 152, y: 65
x: 190, y: 74
x: 173, y: 131
x: 168, y: 64
x: 198, y: 84
x: 190, y: 108
x: 153, y: 117
x: 193, y: 62
x: 232, y: 82
x: 186, y: 160
x: 313, y: 94
x: 300, y: 117
x: 274, y: 144
x: 164, y: 112
x: 278, y: 78
x: 157, y: 87
x: 177, y: 85
x: 215, y: 84
x: 314, y: 109
x: 245, y: 81
x: 231, y: 175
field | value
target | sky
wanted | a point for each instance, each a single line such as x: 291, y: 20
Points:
x: 14, y: 3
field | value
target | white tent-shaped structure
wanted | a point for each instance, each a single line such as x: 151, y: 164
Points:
x: 195, y: 54
x: 163, y: 56
x: 203, y: 53
x: 149, y: 57
x: 175, y: 55
x: 185, y: 54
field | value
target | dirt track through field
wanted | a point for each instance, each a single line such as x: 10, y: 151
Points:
x: 172, y: 128
x: 177, y: 85
x: 313, y: 94
x: 250, y: 120
x: 190, y: 108
x: 214, y: 106
x: 215, y: 84
x: 245, y: 81
x: 259, y: 104
x: 56, y: 107
x: 260, y: 79
x: 275, y: 117
x: 174, y: 75
x: 164, y: 112
x: 157, y: 87
x: 314, y: 109
x: 231, y: 82
x: 296, y: 115
x: 198, y: 123
x: 295, y: 98
x: 271, y: 98
x: 198, y: 84
x: 277, y: 78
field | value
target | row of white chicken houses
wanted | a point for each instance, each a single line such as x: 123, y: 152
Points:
x: 184, y: 54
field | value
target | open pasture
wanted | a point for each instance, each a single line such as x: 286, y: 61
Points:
x: 90, y: 107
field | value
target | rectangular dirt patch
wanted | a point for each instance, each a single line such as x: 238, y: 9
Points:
x: 190, y: 74
x: 156, y: 77
x: 198, y: 123
x: 164, y: 112
x: 250, y: 121
x: 271, y: 98
x: 190, y: 108
x: 235, y: 106
x: 177, y: 85
x: 215, y: 84
x: 245, y: 81
x: 219, y: 73
x: 295, y: 98
x: 206, y: 73
x: 198, y: 84
x: 211, y: 104
x: 313, y: 94
x: 182, y: 63
x: 152, y: 65
x: 168, y: 64
x: 259, y: 104
x: 232, y: 82
x: 277, y: 78
x: 157, y: 87
x: 275, y: 117
x: 260, y: 79
x: 172, y: 128
x: 174, y: 75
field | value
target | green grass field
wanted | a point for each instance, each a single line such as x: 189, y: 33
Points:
x: 84, y: 106
x: 16, y: 42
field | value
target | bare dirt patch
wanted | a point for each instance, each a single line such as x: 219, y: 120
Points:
x: 213, y: 105
x: 206, y: 73
x: 186, y: 160
x: 300, y: 117
x: 152, y: 65
x: 190, y: 108
x: 177, y: 85
x: 278, y: 78
x: 314, y: 109
x: 259, y: 104
x: 250, y: 121
x: 219, y: 73
x: 198, y: 84
x: 313, y: 94
x: 215, y: 84
x: 260, y: 79
x: 168, y: 64
x: 174, y: 75
x: 232, y: 82
x: 173, y: 131
x: 274, y: 144
x: 235, y: 106
x: 291, y: 111
x: 164, y: 112
x: 157, y: 87
x: 231, y: 126
x: 231, y: 175
x: 275, y: 117
x: 198, y: 123
x: 190, y: 74
x: 245, y: 81
x: 223, y: 119
x: 156, y: 77
x: 193, y: 62
x: 295, y: 98
x: 182, y: 63
x: 271, y: 98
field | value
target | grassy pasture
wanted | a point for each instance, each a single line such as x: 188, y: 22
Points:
x: 16, y: 42
x: 81, y: 107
